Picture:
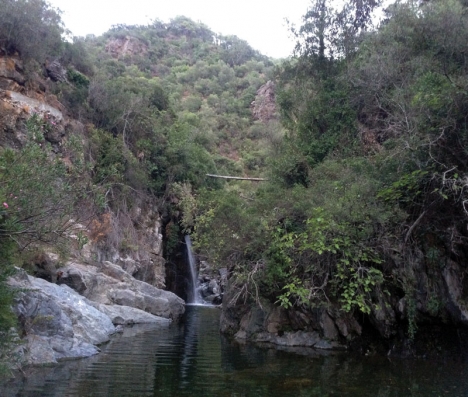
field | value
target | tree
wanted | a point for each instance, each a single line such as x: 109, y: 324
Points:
x: 327, y: 32
x: 31, y: 27
x: 235, y: 51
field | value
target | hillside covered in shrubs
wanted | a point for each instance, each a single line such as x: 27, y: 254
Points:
x: 359, y: 227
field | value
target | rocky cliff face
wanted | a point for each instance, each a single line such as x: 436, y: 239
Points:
x: 11, y: 74
x: 141, y: 255
x: 20, y: 98
x: 416, y: 325
x: 264, y: 107
x: 126, y: 46
x: 111, y: 278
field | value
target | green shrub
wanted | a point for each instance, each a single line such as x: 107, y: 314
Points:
x: 31, y: 27
x: 78, y: 79
x: 37, y: 200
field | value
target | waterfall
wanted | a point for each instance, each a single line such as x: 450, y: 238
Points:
x: 195, y: 297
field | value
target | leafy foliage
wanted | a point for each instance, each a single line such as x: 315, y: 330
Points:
x: 370, y: 173
x: 367, y: 170
x: 37, y: 202
x: 36, y: 194
x: 31, y: 27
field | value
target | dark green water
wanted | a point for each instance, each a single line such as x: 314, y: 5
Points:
x: 192, y: 359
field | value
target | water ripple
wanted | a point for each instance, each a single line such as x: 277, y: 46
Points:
x: 193, y: 359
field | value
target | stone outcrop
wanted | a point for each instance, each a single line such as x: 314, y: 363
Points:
x: 212, y: 283
x: 126, y: 46
x: 56, y: 71
x: 453, y: 277
x: 273, y: 324
x: 108, y: 284
x: 125, y: 315
x: 11, y: 73
x: 32, y: 105
x: 264, y: 106
x: 435, y: 308
x: 141, y: 257
x: 16, y: 108
x: 146, y: 263
x: 56, y: 322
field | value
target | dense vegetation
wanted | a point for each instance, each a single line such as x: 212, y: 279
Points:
x: 161, y: 105
x: 366, y: 172
x: 368, y: 188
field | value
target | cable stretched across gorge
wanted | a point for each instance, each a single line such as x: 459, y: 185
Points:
x: 236, y: 177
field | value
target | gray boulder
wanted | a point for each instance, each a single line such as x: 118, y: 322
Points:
x: 56, y: 71
x: 125, y: 315
x: 56, y: 322
x: 268, y: 324
x: 109, y: 284
x: 298, y: 338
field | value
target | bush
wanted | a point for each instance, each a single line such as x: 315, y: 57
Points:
x: 31, y: 27
x: 36, y: 195
x: 37, y: 200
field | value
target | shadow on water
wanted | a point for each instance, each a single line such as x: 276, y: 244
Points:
x: 193, y: 359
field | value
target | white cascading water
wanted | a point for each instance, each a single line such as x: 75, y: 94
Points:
x: 196, y: 298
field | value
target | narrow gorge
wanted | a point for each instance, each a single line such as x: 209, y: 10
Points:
x: 166, y: 187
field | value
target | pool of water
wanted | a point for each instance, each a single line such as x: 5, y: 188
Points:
x: 193, y: 359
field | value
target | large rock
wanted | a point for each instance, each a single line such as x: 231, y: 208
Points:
x: 11, y: 68
x: 125, y: 315
x: 212, y: 282
x: 34, y: 105
x: 273, y: 324
x: 126, y: 46
x: 264, y: 106
x: 298, y: 338
x: 456, y: 296
x: 56, y: 322
x: 56, y: 71
x: 109, y: 284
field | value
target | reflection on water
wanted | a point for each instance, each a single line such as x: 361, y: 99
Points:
x: 192, y: 359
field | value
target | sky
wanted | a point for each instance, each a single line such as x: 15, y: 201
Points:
x: 260, y: 22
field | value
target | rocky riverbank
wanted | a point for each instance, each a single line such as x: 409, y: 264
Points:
x: 433, y: 322
x: 71, y: 319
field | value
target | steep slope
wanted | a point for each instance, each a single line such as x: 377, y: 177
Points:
x: 360, y: 234
x: 102, y: 141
